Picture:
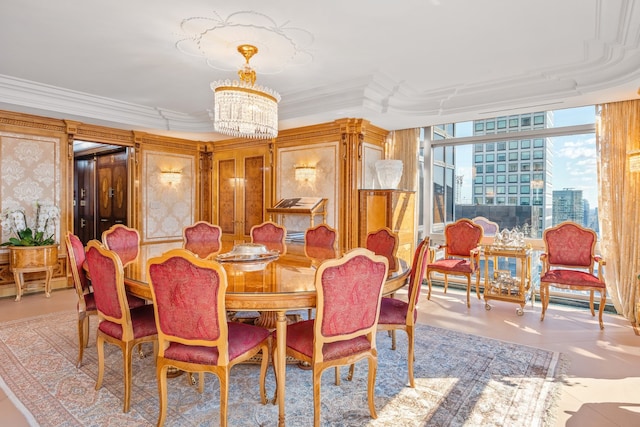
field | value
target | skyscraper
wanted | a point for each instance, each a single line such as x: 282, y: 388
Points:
x: 568, y: 205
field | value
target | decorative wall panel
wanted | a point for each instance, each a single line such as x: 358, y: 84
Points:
x: 167, y: 206
x: 324, y: 158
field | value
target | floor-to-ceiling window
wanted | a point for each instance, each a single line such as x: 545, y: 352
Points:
x: 527, y: 171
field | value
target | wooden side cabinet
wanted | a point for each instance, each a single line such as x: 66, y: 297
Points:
x: 394, y: 209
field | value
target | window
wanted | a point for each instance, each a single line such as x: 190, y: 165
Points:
x: 513, y: 200
x: 479, y: 158
x: 477, y: 190
x: 538, y: 154
x: 525, y: 143
x: 488, y: 191
x: 490, y: 157
x: 489, y: 169
x: 501, y: 168
x: 491, y: 125
x: 525, y: 189
x: 501, y: 179
x: 500, y: 189
x: 513, y: 178
x: 525, y: 167
x: 513, y: 155
x: 537, y: 143
x: 479, y: 126
x: 538, y: 166
x: 502, y: 157
x: 513, y: 122
x: 478, y: 147
x: 513, y: 145
x: 490, y: 146
x: 488, y: 201
x: 525, y: 177
x: 501, y: 146
x: 479, y: 169
x: 537, y: 177
x: 513, y: 167
x: 525, y: 155
x: 502, y: 124
x: 513, y: 189
x: 500, y: 200
x: 525, y: 121
x: 489, y: 179
x: 538, y: 119
x: 478, y: 180
x: 524, y: 201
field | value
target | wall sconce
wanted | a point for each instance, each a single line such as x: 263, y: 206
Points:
x: 305, y: 173
x: 170, y: 177
x: 634, y: 161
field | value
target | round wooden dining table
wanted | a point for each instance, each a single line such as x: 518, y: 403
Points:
x: 270, y: 287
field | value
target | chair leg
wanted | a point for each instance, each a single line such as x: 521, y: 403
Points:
x: 352, y: 370
x: 603, y: 300
x: 373, y: 367
x: 469, y: 291
x: 429, y: 284
x: 317, y: 380
x: 410, y: 355
x: 161, y: 374
x: 337, y: 369
x: 591, y: 294
x: 446, y: 282
x: 100, y: 348
x: 81, y: 338
x: 478, y: 284
x: 544, y: 299
x: 224, y: 397
x: 393, y: 339
x: 263, y: 373
x: 126, y: 355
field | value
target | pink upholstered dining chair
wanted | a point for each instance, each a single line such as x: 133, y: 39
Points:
x: 120, y: 325
x: 398, y: 314
x: 124, y: 241
x: 569, y: 261
x: 203, y: 239
x: 320, y: 242
x: 193, y: 332
x: 86, y: 305
x: 461, y: 255
x: 384, y: 242
x: 271, y: 235
x: 341, y: 335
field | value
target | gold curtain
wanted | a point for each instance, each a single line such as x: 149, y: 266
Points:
x: 403, y: 145
x: 617, y: 134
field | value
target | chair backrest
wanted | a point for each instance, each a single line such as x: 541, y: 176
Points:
x: 384, y: 242
x: 418, y: 270
x: 189, y: 301
x: 570, y: 245
x: 107, y: 279
x: 462, y: 237
x: 202, y: 238
x: 271, y: 235
x: 349, y: 290
x: 124, y: 241
x: 320, y: 242
x: 75, y: 252
x: 489, y: 228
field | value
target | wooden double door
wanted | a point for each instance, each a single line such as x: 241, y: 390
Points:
x: 100, y: 197
x: 243, y: 189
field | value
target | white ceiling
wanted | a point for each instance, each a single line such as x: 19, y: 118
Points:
x: 148, y: 64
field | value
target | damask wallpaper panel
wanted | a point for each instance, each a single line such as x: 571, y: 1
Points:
x: 30, y: 173
x: 167, y: 207
x: 324, y: 158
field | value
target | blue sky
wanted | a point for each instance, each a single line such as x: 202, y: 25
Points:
x: 574, y: 160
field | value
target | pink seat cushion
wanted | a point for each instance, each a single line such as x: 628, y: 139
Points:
x: 572, y: 278
x: 300, y: 339
x: 394, y: 312
x: 242, y: 338
x: 451, y: 264
x: 143, y: 323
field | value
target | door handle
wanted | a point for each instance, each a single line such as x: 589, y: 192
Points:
x: 83, y: 223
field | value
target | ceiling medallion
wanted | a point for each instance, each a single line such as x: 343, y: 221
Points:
x: 242, y: 109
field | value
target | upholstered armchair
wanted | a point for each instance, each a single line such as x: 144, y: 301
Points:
x: 203, y: 239
x: 384, y: 242
x: 120, y: 325
x: 569, y: 261
x: 193, y: 333
x: 461, y: 255
x: 340, y: 335
x: 124, y: 241
x: 271, y: 235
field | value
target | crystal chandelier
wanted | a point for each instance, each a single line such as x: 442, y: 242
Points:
x: 241, y: 108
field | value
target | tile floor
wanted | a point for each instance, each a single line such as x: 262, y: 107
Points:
x: 602, y: 386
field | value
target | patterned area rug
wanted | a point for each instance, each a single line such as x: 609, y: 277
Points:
x: 460, y: 380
